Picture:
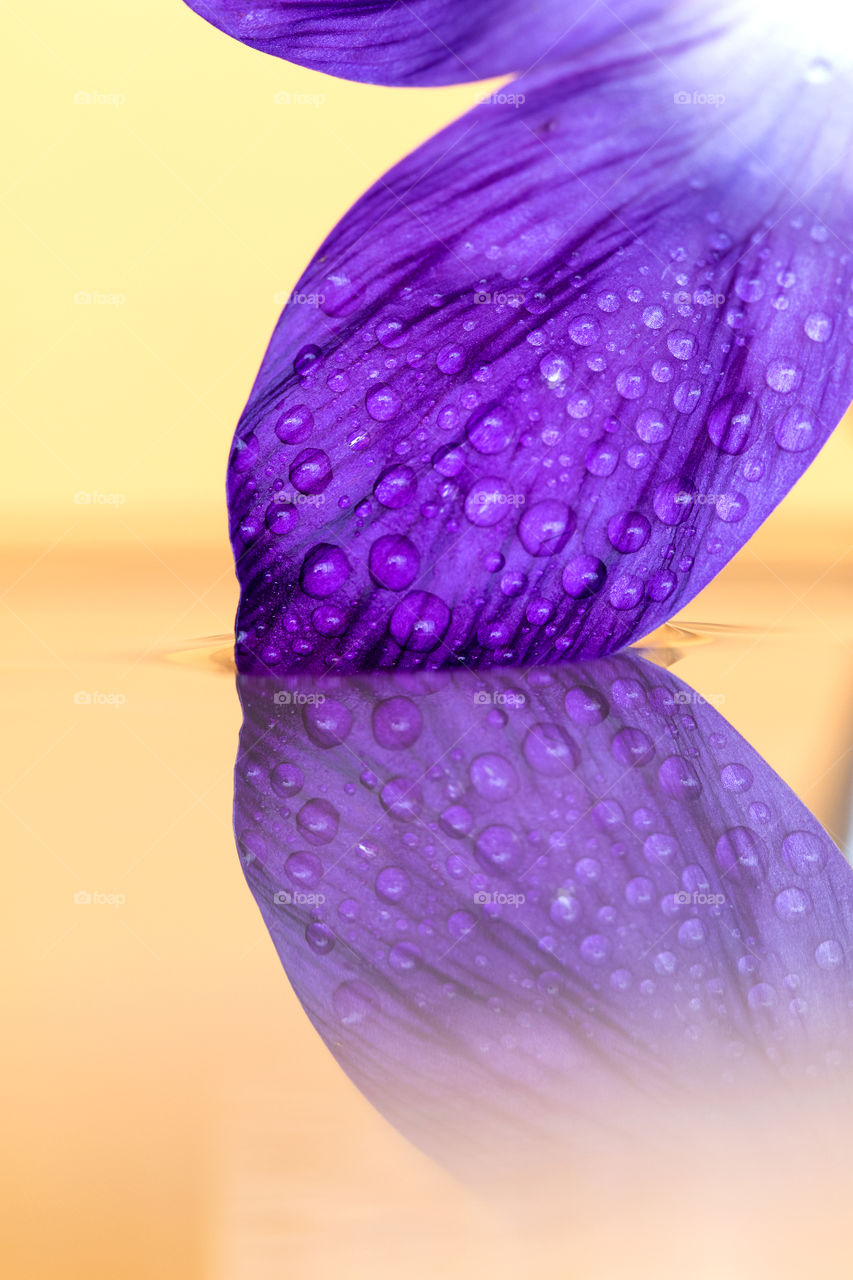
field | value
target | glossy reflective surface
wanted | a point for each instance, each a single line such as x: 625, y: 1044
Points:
x: 174, y: 1096
x: 173, y: 1112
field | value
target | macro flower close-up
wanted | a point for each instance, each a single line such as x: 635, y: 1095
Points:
x: 429, y: 790
x: 565, y: 358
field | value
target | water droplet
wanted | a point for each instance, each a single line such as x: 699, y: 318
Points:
x: 382, y: 403
x: 394, y: 562
x: 545, y: 527
x: 795, y: 431
x: 583, y: 576
x: 392, y: 884
x: 584, y: 330
x: 629, y: 531
x: 818, y: 326
x: 805, y: 853
x: 792, y: 904
x: 295, y: 424
x: 681, y: 344
x: 631, y: 383
x: 783, y: 376
x: 310, y: 471
x: 489, y: 433
x: 493, y: 777
x: 732, y: 422
x: 324, y: 570
x: 554, y: 369
x: 395, y: 486
x: 419, y: 622
x: 450, y: 359
x: 652, y: 427
x: 397, y: 723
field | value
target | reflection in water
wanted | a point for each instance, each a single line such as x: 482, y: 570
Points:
x: 534, y: 906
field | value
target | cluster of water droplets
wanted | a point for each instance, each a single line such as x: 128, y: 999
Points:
x: 522, y: 473
x: 584, y: 848
x: 541, y: 436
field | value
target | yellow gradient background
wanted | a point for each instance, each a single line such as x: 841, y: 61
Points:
x: 170, y: 1112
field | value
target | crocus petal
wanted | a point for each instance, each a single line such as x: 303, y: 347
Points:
x: 566, y: 358
x: 525, y: 894
x: 420, y: 42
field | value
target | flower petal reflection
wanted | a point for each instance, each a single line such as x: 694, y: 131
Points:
x: 512, y: 901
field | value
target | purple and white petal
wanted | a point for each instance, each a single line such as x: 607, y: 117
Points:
x: 516, y: 900
x: 567, y: 357
x: 421, y: 42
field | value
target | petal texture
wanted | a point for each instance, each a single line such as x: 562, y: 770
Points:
x: 527, y: 895
x: 420, y: 42
x: 566, y: 358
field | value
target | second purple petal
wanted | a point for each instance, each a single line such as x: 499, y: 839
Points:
x: 553, y: 370
x: 419, y: 42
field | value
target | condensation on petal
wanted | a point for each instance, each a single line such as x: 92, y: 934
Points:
x: 497, y: 895
x: 568, y: 356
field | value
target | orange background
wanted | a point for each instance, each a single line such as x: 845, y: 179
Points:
x: 172, y: 1113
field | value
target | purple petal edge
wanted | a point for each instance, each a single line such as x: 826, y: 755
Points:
x: 549, y: 375
x: 527, y: 894
x: 421, y: 42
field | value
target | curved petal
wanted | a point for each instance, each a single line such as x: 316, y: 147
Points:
x: 420, y: 42
x: 522, y: 897
x: 566, y: 358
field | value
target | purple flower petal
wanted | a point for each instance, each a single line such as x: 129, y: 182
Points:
x: 567, y: 357
x: 535, y: 891
x: 419, y: 42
